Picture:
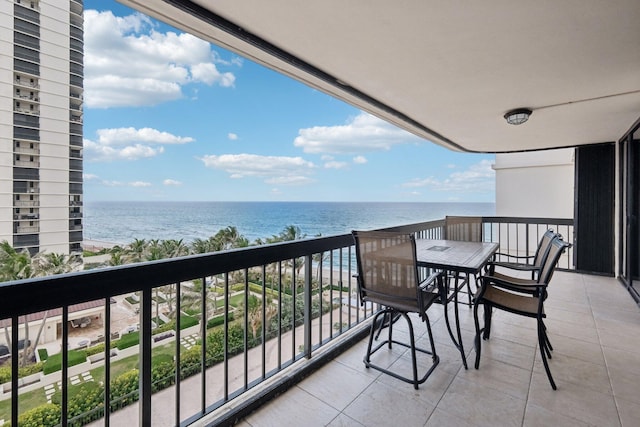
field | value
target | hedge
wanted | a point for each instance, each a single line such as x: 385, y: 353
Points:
x: 54, y: 362
x: 5, y: 371
x: 85, y: 401
x: 128, y: 340
x: 219, y: 320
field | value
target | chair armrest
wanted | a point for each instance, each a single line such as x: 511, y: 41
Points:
x: 427, y: 285
x: 512, y: 283
x: 513, y: 266
x: 514, y: 256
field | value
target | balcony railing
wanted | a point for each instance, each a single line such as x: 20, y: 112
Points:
x: 246, y: 315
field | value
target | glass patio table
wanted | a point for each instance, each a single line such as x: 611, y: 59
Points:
x: 458, y: 258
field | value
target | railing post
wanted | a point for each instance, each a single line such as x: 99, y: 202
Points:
x: 308, y: 271
x: 144, y: 388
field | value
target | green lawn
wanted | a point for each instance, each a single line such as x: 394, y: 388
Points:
x: 37, y: 397
x: 234, y: 301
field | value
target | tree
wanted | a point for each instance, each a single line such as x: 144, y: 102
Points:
x: 15, y: 264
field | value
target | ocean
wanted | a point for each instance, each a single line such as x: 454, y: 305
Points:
x: 122, y: 222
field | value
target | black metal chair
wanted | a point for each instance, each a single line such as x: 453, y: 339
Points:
x: 531, y: 263
x: 388, y: 275
x: 466, y: 229
x: 523, y: 297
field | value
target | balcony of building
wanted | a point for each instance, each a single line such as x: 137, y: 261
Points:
x: 305, y: 366
x: 31, y: 4
x: 26, y: 147
x: 26, y: 161
x: 594, y: 327
x: 26, y: 108
x: 76, y: 7
x: 26, y: 80
x: 26, y: 227
x: 30, y: 201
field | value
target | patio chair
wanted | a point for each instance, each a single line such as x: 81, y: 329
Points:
x: 531, y: 263
x: 523, y: 297
x: 388, y: 275
x: 467, y: 229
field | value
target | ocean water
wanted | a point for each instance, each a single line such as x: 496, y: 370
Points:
x: 121, y: 222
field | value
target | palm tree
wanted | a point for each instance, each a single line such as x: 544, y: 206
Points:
x: 14, y: 264
x: 136, y: 250
x: 46, y: 264
x: 229, y: 238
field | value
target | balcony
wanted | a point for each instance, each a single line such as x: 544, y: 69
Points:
x: 594, y: 330
x: 319, y: 321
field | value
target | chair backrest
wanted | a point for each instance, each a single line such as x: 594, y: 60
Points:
x: 464, y: 228
x: 543, y: 247
x: 387, y: 271
x: 556, y: 249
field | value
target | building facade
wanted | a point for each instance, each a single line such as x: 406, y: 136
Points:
x: 535, y: 184
x: 41, y: 78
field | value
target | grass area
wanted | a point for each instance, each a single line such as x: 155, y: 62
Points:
x: 37, y: 397
x: 234, y: 301
x: 25, y: 402
x: 54, y: 362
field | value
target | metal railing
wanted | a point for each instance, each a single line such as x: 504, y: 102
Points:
x: 233, y: 320
x: 520, y: 236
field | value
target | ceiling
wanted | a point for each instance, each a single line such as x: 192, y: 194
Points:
x: 446, y: 70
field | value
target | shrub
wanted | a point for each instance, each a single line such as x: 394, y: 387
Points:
x: 5, y: 371
x: 219, y: 320
x: 54, y: 362
x: 47, y: 415
x: 83, y: 399
x: 190, y: 361
x: 128, y: 340
x: 98, y: 348
x: 43, y: 354
x: 124, y: 389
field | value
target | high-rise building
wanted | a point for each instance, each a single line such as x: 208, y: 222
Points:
x: 41, y: 76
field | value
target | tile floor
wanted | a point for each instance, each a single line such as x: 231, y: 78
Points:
x: 594, y: 326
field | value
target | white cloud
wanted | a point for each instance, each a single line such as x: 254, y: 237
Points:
x: 272, y: 169
x: 171, y: 182
x: 479, y: 177
x: 359, y: 160
x: 129, y: 144
x: 89, y: 177
x: 335, y: 165
x: 128, y: 63
x: 139, y: 184
x: 364, y: 133
x: 124, y: 136
x: 113, y: 183
x: 232, y: 136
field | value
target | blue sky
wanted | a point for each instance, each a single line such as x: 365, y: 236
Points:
x: 170, y: 117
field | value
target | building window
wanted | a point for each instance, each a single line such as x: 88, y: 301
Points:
x: 17, y: 197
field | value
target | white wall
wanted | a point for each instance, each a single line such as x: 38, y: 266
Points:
x: 535, y: 184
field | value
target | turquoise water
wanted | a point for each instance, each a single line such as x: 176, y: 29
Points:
x: 121, y: 222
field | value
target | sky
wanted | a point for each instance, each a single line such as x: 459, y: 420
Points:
x: 170, y: 117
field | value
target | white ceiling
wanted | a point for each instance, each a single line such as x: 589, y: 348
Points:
x: 446, y: 70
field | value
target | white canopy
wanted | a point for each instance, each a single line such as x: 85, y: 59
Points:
x: 446, y: 70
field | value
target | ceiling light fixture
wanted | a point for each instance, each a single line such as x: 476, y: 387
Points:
x: 517, y: 117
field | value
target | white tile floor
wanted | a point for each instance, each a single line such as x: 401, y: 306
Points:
x: 593, y: 324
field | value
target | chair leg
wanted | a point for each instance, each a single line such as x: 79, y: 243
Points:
x: 414, y: 379
x: 543, y: 350
x: 488, y: 313
x: 477, y: 340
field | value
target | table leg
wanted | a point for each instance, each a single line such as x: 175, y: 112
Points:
x: 456, y: 341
